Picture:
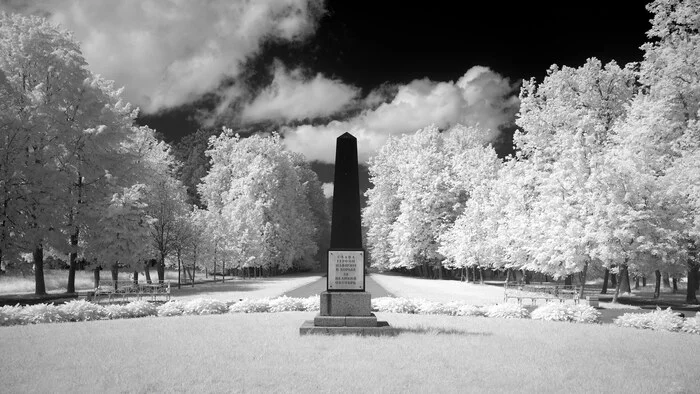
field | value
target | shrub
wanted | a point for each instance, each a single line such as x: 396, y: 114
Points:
x: 80, y: 310
x: 250, y: 306
x: 204, y: 306
x: 285, y: 304
x: 41, y: 313
x: 171, y: 308
x: 395, y: 305
x: 141, y: 308
x: 470, y: 310
x: 692, y: 325
x: 506, y: 311
x: 11, y: 315
x: 312, y: 303
x: 435, y: 308
x: 658, y: 320
x: 116, y: 311
x: 556, y: 311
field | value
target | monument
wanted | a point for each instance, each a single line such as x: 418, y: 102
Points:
x: 346, y: 308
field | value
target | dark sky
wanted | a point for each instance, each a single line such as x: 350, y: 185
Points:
x: 370, y: 43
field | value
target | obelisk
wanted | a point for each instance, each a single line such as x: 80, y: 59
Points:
x: 345, y: 307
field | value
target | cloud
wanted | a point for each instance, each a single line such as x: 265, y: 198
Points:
x: 293, y: 97
x: 168, y: 53
x: 328, y: 189
x: 480, y: 98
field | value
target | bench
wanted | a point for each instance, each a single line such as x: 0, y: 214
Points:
x: 113, y: 290
x: 546, y: 292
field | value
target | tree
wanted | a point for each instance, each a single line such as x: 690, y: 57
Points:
x: 422, y: 182
x: 72, y: 125
x: 567, y: 123
x: 118, y: 238
x: 257, y: 203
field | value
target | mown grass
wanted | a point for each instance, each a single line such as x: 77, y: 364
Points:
x: 264, y: 353
x: 57, y: 280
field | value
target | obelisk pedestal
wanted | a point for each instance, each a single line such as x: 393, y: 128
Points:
x: 345, y: 306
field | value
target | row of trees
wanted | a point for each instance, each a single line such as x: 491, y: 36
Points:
x: 606, y: 174
x: 79, y: 178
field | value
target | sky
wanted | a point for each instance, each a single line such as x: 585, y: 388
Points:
x: 312, y: 69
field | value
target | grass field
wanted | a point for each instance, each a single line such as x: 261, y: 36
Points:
x: 57, y: 280
x: 264, y: 353
x: 233, y: 289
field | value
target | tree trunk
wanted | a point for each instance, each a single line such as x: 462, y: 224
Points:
x: 674, y: 282
x: 179, y: 269
x: 440, y: 271
x: 136, y: 277
x: 40, y: 285
x: 193, y: 273
x: 146, y: 268
x: 644, y: 281
x: 223, y: 271
x: 96, y: 275
x: 567, y: 280
x: 636, y: 282
x: 657, y: 284
x: 161, y: 269
x: 526, y: 278
x: 583, y: 280
x: 72, y: 257
x: 481, y: 275
x: 666, y: 281
x: 115, y: 274
x: 613, y: 280
x: 617, y: 288
x: 690, y: 296
x: 605, y: 282
x: 625, y: 280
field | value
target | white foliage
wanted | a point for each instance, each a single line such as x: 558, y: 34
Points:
x: 250, y: 305
x: 692, y: 325
x: 11, y: 315
x: 657, y: 320
x: 557, y: 311
x: 285, y: 304
x: 81, y: 310
x: 42, y: 313
x: 506, y: 311
x: 171, y: 308
x: 204, y: 306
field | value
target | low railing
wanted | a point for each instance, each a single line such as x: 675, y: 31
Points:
x: 123, y: 289
x: 541, y: 291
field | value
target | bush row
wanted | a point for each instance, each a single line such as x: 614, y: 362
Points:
x: 660, y: 319
x: 80, y: 310
x: 550, y: 311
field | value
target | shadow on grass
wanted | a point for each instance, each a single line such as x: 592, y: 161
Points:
x: 441, y: 331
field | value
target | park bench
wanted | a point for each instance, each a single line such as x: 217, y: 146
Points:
x: 540, y: 291
x: 123, y: 289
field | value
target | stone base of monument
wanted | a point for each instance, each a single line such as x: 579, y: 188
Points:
x: 346, y: 313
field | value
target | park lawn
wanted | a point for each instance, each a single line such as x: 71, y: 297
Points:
x: 233, y: 289
x: 56, y: 281
x: 439, y: 290
x: 265, y: 353
x: 238, y: 288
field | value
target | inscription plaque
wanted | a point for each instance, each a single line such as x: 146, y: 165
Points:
x: 346, y: 270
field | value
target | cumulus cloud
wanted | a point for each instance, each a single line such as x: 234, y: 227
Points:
x: 291, y: 96
x: 481, y: 98
x: 168, y: 53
